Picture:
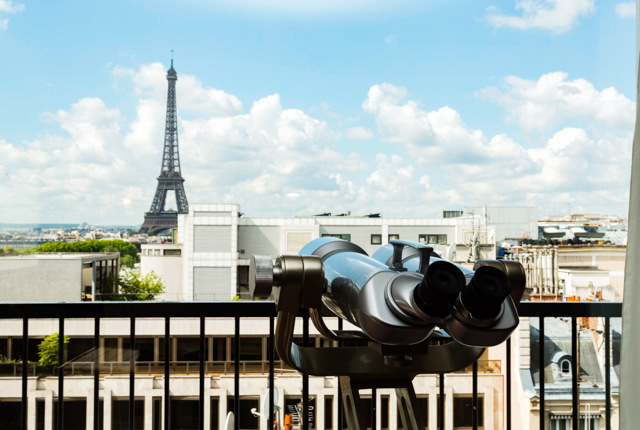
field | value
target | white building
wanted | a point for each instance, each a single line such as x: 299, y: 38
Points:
x: 210, y: 262
x: 215, y: 243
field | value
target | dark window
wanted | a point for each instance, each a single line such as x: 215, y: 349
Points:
x: 250, y: 349
x: 219, y: 349
x: 384, y: 413
x: 120, y: 414
x: 32, y: 353
x: 80, y: 349
x: 215, y: 414
x: 376, y: 239
x: 394, y: 237
x: 161, y: 348
x: 188, y: 349
x: 40, y: 405
x: 74, y: 415
x: 110, y: 349
x: 244, y: 417
x: 157, y: 414
x: 145, y: 348
x: 184, y: 414
x: 328, y: 412
x: 172, y: 252
x: 463, y: 412
x: 4, y: 352
x: 10, y: 415
x: 433, y: 239
x: 423, y: 405
x: 346, y: 237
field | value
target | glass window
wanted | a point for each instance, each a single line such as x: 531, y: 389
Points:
x: 433, y: 239
x: 156, y: 252
x: 376, y: 239
x: 184, y: 414
x: 292, y: 406
x: 120, y: 414
x: 172, y: 252
x: 10, y: 414
x: 215, y: 413
x: 188, y: 349
x: 246, y: 420
x: 463, y: 412
x: 394, y: 237
x: 250, y: 349
x: 328, y: 413
x: 346, y: 237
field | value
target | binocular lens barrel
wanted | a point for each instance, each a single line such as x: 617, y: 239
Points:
x: 439, y: 288
x: 485, y: 293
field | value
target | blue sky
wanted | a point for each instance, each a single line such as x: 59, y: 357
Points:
x: 404, y: 108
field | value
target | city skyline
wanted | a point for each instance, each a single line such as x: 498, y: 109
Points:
x: 300, y: 110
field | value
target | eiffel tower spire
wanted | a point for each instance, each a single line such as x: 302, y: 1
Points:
x: 170, y: 178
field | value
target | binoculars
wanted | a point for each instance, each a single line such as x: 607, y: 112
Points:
x: 404, y: 291
x: 416, y: 312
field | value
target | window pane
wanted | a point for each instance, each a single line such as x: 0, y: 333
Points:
x: 463, y: 412
x: 433, y: 239
x: 376, y: 239
x: 394, y: 237
x: 422, y: 238
x: 442, y: 239
x: 184, y: 414
x: 328, y: 413
x: 10, y: 415
x: 245, y: 418
x: 120, y: 414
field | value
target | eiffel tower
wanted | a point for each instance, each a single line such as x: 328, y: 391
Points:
x: 170, y: 179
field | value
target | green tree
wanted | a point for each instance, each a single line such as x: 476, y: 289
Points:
x: 127, y: 261
x: 133, y: 286
x: 48, y: 349
x: 116, y: 245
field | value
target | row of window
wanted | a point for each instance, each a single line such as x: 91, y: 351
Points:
x: 161, y: 252
x: 376, y: 239
x: 184, y: 413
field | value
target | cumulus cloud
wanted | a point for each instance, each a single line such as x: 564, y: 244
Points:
x: 7, y: 6
x: 100, y: 167
x: 100, y: 163
x: 358, y: 133
x: 626, y: 9
x: 555, y: 15
x: 500, y: 169
x: 545, y: 103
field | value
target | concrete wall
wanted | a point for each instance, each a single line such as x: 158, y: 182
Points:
x: 168, y: 267
x: 40, y: 280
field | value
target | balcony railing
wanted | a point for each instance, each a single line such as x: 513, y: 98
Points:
x: 238, y: 310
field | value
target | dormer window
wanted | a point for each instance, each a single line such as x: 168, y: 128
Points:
x: 565, y: 366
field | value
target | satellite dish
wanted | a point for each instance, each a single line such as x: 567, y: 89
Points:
x: 230, y: 423
x: 451, y: 252
x: 265, y: 402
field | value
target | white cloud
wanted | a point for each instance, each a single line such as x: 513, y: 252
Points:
x: 150, y: 80
x: 7, y: 6
x: 626, y: 9
x: 358, y: 133
x: 545, y: 103
x: 555, y: 15
x: 10, y: 7
x: 391, y: 39
x: 499, y: 169
x: 101, y: 167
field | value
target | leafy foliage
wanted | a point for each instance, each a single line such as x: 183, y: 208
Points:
x: 4, y: 359
x: 133, y: 287
x: 127, y: 261
x: 49, y: 348
x: 117, y: 245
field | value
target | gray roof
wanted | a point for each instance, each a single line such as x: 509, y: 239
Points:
x: 558, y: 338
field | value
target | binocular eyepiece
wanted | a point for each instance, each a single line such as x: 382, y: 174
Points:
x: 439, y: 289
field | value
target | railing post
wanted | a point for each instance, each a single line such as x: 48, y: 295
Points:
x: 508, y: 418
x: 201, y: 379
x: 60, y: 374
x: 607, y: 371
x: 167, y: 370
x: 541, y: 360
x: 25, y: 354
x: 305, y: 376
x: 270, y: 420
x: 96, y: 374
x: 132, y: 373
x: 474, y: 381
x: 575, y: 373
x: 236, y: 381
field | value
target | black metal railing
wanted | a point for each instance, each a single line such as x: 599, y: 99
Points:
x: 237, y: 310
